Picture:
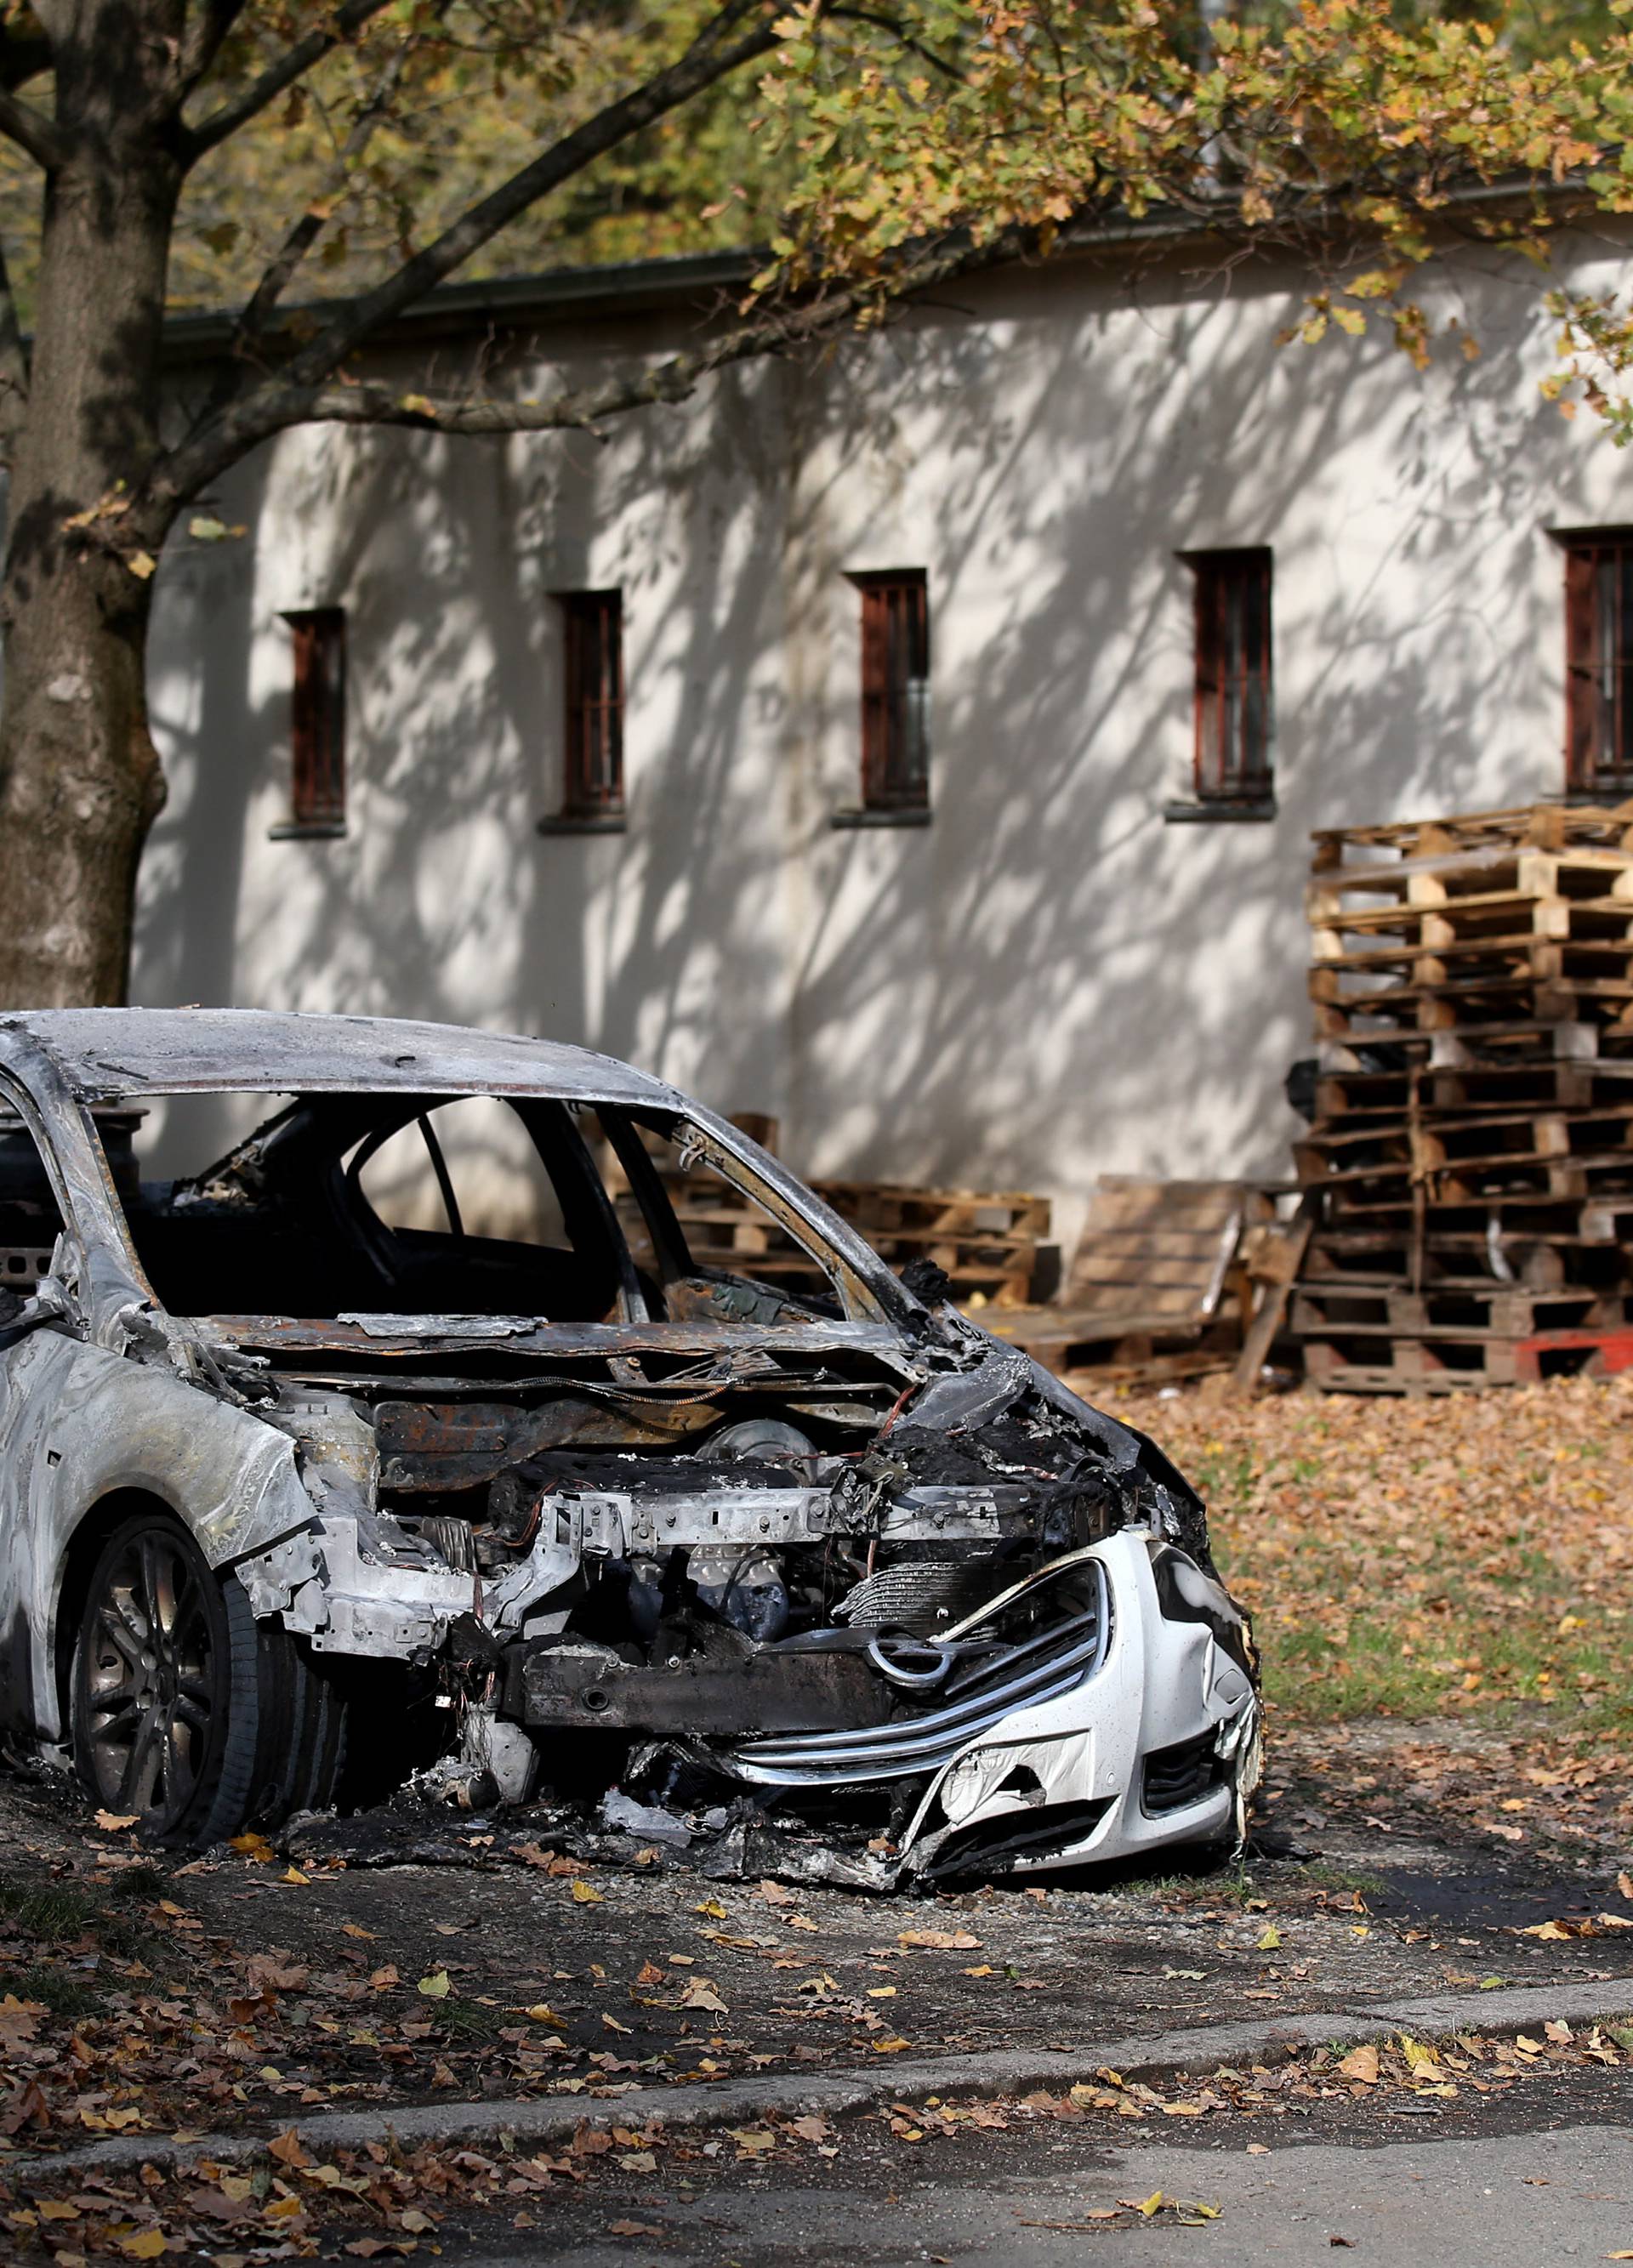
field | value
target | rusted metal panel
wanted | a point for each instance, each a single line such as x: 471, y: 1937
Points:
x: 590, y: 1688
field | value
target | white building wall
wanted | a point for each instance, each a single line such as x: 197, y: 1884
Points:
x: 1050, y: 981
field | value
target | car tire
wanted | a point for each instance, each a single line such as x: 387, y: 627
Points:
x: 185, y: 1711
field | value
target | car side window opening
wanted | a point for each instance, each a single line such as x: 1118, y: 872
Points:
x: 31, y: 1220
x: 339, y: 1204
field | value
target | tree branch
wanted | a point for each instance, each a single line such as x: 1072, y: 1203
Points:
x: 222, y: 434
x: 252, y: 324
x: 32, y: 131
x: 903, y: 37
x: 210, y: 23
x: 779, y: 331
x: 13, y: 367
x: 293, y: 64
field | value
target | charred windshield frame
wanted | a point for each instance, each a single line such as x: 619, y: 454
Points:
x: 328, y: 1137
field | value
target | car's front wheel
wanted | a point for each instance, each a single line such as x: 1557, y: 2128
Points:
x: 186, y: 1712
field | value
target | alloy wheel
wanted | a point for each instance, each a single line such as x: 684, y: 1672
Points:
x: 149, y: 1668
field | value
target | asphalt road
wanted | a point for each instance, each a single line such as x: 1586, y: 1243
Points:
x: 1545, y: 2176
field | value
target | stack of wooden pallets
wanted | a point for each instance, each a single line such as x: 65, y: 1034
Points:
x: 985, y: 1241
x: 1469, y: 1168
x: 1157, y: 1290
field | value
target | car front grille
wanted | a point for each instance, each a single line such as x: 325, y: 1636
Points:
x: 1037, y: 1669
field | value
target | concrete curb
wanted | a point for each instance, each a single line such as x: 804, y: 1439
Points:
x: 537, y: 2122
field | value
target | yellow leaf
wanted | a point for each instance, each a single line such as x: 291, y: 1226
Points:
x: 57, y: 2209
x: 890, y: 2047
x: 417, y: 405
x: 1149, y: 2206
x: 541, y: 2014
x: 253, y: 1846
x: 144, y: 2244
x: 294, y: 1874
x: 142, y: 565
x: 355, y: 1929
x: 713, y: 1909
x: 1271, y: 1939
x: 111, y: 1822
x: 1547, y: 1929
x: 586, y: 1894
x: 435, y: 1987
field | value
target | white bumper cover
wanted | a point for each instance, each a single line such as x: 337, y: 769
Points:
x: 1160, y: 1685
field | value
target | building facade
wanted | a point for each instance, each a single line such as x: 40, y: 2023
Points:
x: 919, y: 744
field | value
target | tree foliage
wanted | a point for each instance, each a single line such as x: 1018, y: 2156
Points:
x: 1363, y: 142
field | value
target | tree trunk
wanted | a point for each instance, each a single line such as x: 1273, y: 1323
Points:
x: 80, y: 784
x: 80, y: 781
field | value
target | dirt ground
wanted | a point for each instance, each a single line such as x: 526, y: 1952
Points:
x: 420, y: 1954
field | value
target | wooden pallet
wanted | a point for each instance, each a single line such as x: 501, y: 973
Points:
x: 984, y: 1241
x: 1349, y: 1104
x: 1322, y: 1310
x: 1150, y: 1292
x: 1421, y: 1366
x: 1484, y: 1045
x: 1370, y: 892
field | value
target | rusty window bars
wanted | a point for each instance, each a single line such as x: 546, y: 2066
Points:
x: 318, y: 720
x: 1234, y: 680
x: 895, y: 689
x: 592, y: 771
x: 1599, y: 657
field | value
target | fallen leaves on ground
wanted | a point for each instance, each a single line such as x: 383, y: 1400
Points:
x: 1464, y: 1558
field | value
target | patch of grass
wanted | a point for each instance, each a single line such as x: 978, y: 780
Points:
x: 1470, y: 1558
x: 1326, y: 1877
x: 468, y: 2020
x: 54, y: 1989
x: 141, y: 1881
x: 62, y: 1913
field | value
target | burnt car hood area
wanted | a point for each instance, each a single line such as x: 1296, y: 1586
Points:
x: 299, y: 1497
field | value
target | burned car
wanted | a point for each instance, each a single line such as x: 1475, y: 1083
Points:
x: 313, y: 1433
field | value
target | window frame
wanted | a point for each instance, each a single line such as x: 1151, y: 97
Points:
x: 317, y: 723
x: 593, y: 786
x: 1588, y: 707
x: 896, y: 660
x: 1233, y: 752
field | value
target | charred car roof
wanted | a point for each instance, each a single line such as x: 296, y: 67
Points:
x: 113, y: 1055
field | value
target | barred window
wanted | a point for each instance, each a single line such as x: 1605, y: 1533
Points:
x: 1235, y: 706
x: 1599, y: 655
x: 593, y: 771
x: 895, y: 689
x: 318, y: 718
